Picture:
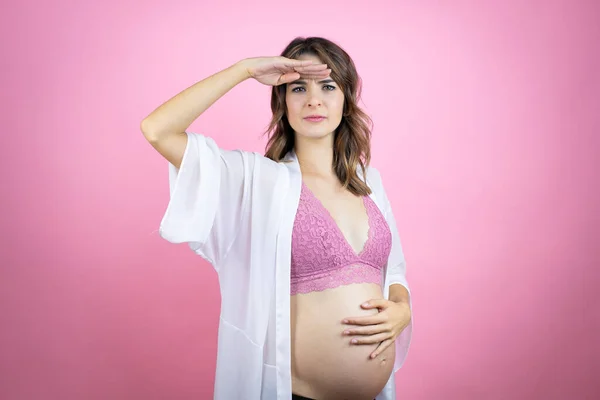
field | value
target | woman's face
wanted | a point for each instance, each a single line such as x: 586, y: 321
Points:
x: 322, y: 98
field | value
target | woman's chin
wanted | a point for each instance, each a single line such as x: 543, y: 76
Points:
x: 313, y: 134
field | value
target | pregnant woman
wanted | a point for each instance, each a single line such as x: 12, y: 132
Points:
x: 315, y: 302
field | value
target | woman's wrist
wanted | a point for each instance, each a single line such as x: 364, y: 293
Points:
x: 241, y: 67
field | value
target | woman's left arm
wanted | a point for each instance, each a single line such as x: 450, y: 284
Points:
x: 395, y: 312
x: 399, y: 294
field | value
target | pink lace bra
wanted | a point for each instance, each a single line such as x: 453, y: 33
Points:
x: 321, y: 256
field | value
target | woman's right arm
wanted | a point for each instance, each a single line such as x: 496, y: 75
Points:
x: 165, y: 127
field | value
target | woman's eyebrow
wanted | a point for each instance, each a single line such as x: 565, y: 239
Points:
x: 302, y: 82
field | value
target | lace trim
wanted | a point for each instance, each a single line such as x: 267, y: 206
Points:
x: 358, y: 273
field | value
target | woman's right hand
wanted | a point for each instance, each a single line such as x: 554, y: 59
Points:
x: 275, y: 71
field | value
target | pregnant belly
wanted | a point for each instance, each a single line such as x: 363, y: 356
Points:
x: 325, y: 365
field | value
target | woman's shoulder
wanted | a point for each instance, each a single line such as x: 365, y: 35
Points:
x: 373, y: 178
x: 375, y: 183
x: 266, y: 164
x: 264, y: 172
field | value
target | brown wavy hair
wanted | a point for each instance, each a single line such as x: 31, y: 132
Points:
x: 352, y: 138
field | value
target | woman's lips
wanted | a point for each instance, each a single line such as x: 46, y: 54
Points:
x: 314, y: 119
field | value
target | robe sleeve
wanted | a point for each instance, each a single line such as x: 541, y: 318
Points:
x: 208, y: 196
x: 396, y: 274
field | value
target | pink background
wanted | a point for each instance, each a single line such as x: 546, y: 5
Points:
x: 486, y: 133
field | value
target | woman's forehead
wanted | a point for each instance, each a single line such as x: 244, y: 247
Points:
x: 309, y: 56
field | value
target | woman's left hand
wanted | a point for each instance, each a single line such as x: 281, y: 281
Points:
x: 382, y: 328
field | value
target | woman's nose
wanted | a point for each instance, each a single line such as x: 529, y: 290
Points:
x: 314, y: 99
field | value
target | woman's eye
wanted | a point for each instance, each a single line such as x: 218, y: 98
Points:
x: 301, y: 88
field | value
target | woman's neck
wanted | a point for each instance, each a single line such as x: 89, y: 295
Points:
x: 315, y: 156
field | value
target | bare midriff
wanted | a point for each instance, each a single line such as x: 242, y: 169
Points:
x: 325, y: 365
